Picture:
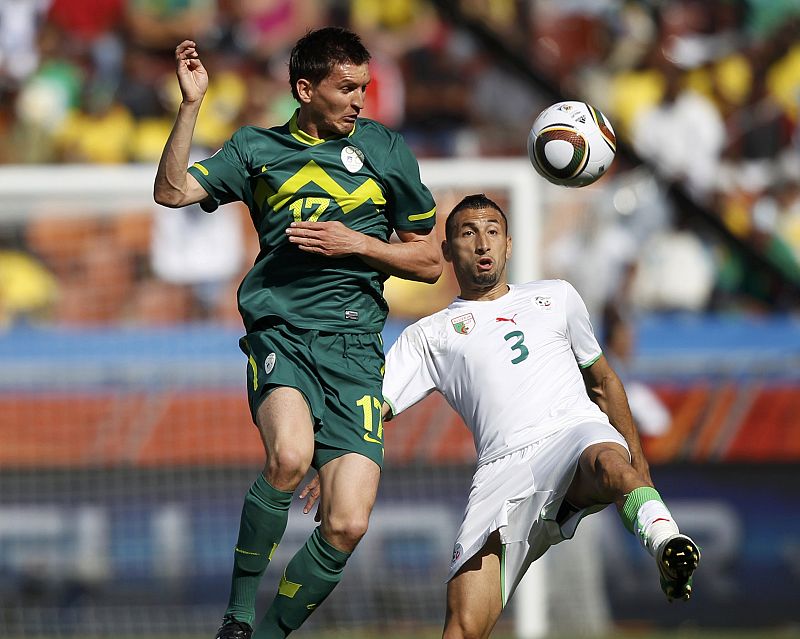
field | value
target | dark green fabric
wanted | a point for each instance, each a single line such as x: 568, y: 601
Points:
x: 340, y: 376
x: 263, y: 522
x: 310, y: 577
x: 368, y: 181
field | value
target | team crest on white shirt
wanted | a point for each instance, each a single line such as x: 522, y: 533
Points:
x: 463, y: 324
x: 543, y: 301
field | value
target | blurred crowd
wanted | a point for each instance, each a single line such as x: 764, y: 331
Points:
x: 706, y: 91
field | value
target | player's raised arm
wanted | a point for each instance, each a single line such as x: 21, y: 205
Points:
x: 606, y: 390
x: 174, y: 187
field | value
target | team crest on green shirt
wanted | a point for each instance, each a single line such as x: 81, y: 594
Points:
x: 352, y: 158
x: 463, y: 324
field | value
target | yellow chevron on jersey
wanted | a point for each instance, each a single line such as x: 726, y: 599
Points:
x: 312, y: 172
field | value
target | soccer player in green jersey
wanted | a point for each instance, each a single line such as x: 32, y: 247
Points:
x: 325, y: 192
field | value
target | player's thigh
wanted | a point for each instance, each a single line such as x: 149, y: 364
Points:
x: 348, y: 487
x: 350, y: 372
x: 284, y: 395
x: 474, y: 594
x: 285, y: 424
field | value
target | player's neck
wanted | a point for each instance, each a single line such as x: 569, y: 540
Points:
x: 485, y: 295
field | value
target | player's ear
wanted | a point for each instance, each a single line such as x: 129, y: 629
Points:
x: 304, y: 90
x: 446, y: 251
x: 508, y: 247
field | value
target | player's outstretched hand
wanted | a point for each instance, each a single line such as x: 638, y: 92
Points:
x: 192, y: 75
x: 332, y: 239
x: 312, y: 492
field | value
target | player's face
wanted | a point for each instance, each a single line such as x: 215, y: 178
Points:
x: 330, y: 107
x: 479, y: 250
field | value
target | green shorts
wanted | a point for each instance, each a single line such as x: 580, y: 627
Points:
x: 339, y: 374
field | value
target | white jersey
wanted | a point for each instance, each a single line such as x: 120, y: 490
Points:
x: 509, y: 367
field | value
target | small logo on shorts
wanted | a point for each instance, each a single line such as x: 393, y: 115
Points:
x: 269, y: 363
x: 351, y: 315
x: 457, y: 552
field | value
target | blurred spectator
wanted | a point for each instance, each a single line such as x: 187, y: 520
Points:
x: 27, y: 290
x: 395, y: 27
x: 19, y: 21
x: 159, y: 25
x: 100, y: 133
x: 675, y: 272
x: 203, y: 251
x: 266, y: 30
x: 683, y: 135
x: 438, y: 97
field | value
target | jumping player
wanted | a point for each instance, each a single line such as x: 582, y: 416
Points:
x: 325, y: 191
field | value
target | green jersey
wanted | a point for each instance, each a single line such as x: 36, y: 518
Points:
x: 368, y: 180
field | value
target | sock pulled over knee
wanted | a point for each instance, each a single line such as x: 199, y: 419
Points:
x: 263, y: 522
x: 646, y: 516
x: 310, y: 577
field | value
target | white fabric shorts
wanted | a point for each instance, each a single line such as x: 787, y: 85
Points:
x: 520, y: 494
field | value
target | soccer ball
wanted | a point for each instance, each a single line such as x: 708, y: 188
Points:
x: 571, y: 144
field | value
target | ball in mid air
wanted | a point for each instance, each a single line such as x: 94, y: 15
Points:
x: 571, y: 144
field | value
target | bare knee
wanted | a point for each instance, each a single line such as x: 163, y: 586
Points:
x: 345, y: 531
x: 286, y: 468
x: 465, y: 625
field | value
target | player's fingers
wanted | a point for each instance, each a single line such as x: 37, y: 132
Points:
x: 312, y: 249
x: 184, y: 47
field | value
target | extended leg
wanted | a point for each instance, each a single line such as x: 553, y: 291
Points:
x: 349, y: 485
x: 286, y: 431
x: 606, y: 476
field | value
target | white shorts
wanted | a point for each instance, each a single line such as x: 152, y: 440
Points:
x: 520, y: 494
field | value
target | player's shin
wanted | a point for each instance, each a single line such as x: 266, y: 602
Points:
x: 646, y: 516
x: 310, y: 577
x: 263, y: 522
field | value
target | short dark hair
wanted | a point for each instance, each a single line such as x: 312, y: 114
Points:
x: 475, y: 201
x: 318, y: 51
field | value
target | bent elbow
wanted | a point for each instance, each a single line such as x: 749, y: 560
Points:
x: 167, y: 197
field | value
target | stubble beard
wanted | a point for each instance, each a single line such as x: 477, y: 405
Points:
x: 486, y: 280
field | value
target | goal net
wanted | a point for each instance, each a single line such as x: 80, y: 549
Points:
x: 126, y: 445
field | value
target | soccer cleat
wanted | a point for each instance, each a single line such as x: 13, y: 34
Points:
x: 232, y: 628
x: 677, y: 560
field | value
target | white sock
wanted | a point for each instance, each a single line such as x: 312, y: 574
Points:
x: 654, y: 525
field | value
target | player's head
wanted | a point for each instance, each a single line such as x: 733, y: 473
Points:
x: 329, y: 73
x: 478, y: 245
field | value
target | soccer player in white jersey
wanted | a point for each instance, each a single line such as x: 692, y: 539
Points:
x: 551, y: 423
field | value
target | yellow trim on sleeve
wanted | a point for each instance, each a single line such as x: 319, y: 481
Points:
x: 200, y: 168
x: 422, y: 216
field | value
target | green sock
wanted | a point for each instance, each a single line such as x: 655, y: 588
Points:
x: 263, y: 522
x: 311, y: 575
x: 633, y: 502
